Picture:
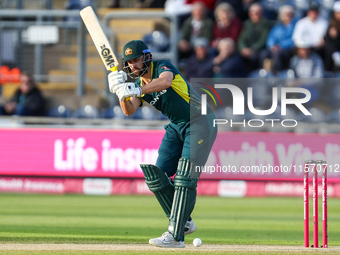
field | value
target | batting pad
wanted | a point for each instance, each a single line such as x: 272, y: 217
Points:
x: 184, y: 198
x: 159, y: 183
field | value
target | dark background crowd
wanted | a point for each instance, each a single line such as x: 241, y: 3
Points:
x: 264, y: 39
x: 237, y: 37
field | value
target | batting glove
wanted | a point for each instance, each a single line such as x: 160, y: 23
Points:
x: 128, y: 90
x: 116, y: 80
x: 120, y: 93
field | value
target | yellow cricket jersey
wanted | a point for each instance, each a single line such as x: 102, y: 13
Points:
x: 179, y: 102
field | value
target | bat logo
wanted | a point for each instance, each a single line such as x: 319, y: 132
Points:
x: 128, y: 51
x: 106, y: 53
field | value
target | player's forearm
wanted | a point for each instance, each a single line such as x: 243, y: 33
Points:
x: 157, y: 85
x: 129, y: 107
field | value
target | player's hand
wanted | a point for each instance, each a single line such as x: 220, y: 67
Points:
x: 116, y: 80
x: 129, y: 90
x: 120, y: 93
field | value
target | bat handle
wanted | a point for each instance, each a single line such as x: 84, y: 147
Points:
x: 115, y: 68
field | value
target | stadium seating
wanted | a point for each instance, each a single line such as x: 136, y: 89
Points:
x: 147, y: 113
x: 60, y: 111
x: 326, y: 7
x: 226, y: 112
x: 276, y: 114
x: 301, y: 7
x: 87, y: 112
x: 334, y: 116
x: 261, y: 73
x: 284, y: 74
x: 283, y: 77
x: 138, y: 115
x: 248, y: 115
x: 71, y: 22
x: 318, y: 116
x: 334, y: 95
x: 260, y: 94
x: 113, y: 112
x: 142, y: 113
x: 328, y: 74
x: 291, y: 114
x: 276, y: 117
x: 157, y: 41
x: 260, y: 82
x: 108, y: 113
x: 162, y: 116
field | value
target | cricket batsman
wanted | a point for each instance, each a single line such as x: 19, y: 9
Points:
x: 187, y: 141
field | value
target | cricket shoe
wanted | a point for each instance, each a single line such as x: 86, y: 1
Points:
x: 166, y: 241
x: 190, y: 227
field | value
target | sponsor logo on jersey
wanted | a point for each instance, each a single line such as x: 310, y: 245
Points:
x: 165, y: 68
x: 155, y: 99
x: 128, y: 51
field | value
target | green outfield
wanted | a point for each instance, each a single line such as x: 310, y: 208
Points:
x: 82, y: 219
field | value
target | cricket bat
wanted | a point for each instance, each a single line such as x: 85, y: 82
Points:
x: 99, y: 38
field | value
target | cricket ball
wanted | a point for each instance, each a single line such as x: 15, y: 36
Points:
x: 197, y: 242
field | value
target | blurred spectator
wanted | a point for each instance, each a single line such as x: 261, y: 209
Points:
x: 228, y: 63
x: 178, y: 8
x: 183, y: 8
x: 157, y: 41
x: 198, y: 25
x: 78, y: 4
x: 114, y: 4
x: 332, y: 40
x: 246, y: 7
x: 27, y: 100
x: 312, y: 28
x: 253, y: 36
x: 307, y: 66
x: 280, y: 45
x: 199, y: 64
x: 227, y: 24
x: 7, y: 47
x: 150, y: 3
x: 241, y: 7
x: 209, y: 4
x: 71, y: 22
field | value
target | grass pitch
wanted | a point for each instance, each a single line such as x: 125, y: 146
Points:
x: 134, y: 219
